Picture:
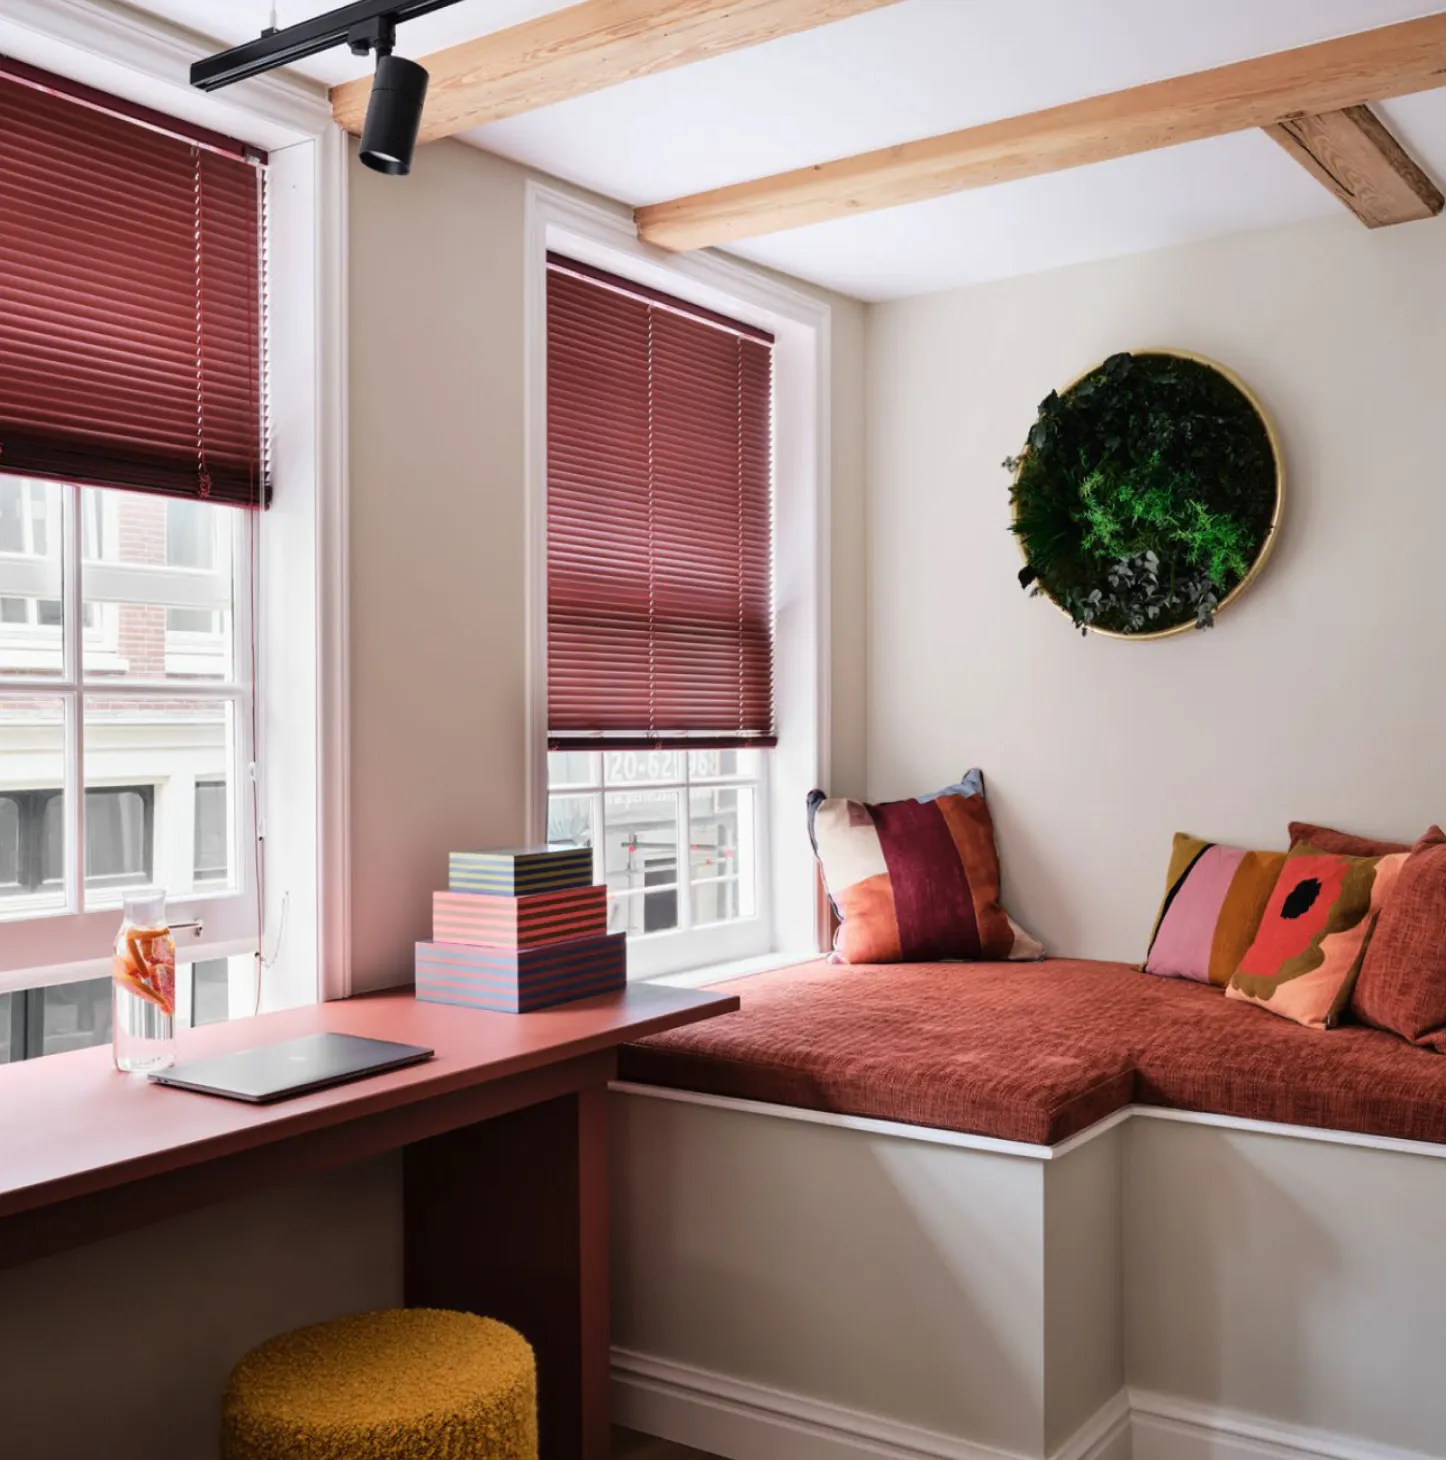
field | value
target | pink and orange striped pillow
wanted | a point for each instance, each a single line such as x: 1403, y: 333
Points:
x: 915, y: 881
x: 1215, y: 897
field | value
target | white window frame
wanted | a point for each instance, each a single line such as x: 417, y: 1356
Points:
x: 87, y: 916
x: 301, y: 598
x: 691, y: 944
x: 605, y: 237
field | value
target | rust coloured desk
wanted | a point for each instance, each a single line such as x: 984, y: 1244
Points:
x: 504, y: 1141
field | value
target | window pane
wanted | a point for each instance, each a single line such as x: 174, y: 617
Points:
x: 72, y: 1016
x: 210, y: 991
x: 31, y: 535
x: 9, y: 842
x: 158, y: 586
x: 189, y: 542
x: 213, y: 838
x: 641, y: 859
x: 7, y: 1003
x: 569, y: 821
x: 32, y: 805
x: 723, y: 855
x: 119, y: 836
x: 572, y: 768
x: 713, y: 765
x: 147, y: 816
x: 634, y: 767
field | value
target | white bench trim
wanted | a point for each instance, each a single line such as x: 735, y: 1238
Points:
x: 729, y: 1416
x: 1024, y: 1149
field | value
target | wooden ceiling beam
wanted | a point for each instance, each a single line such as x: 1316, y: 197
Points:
x: 1354, y: 154
x: 1329, y: 76
x: 587, y: 47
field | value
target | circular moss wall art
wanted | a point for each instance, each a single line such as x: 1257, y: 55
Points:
x: 1147, y: 495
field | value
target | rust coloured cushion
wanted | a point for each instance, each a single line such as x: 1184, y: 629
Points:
x: 985, y: 1048
x: 1342, y: 843
x: 1038, y: 1052
x: 1402, y: 983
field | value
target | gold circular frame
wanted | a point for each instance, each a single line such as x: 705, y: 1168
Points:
x: 1266, y: 547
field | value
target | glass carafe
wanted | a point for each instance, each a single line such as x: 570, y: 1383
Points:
x: 143, y: 980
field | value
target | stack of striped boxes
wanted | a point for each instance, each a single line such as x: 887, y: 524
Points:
x: 520, y: 930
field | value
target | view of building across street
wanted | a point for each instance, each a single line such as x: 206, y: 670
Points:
x: 152, y: 705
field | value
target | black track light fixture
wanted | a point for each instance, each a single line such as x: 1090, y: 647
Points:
x: 394, y: 115
x: 399, y: 89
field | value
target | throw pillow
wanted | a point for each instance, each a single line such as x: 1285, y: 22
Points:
x: 915, y: 881
x: 1402, y: 983
x: 1305, y: 958
x: 1342, y: 843
x: 1215, y: 897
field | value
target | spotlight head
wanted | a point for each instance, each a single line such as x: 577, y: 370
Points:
x: 394, y: 115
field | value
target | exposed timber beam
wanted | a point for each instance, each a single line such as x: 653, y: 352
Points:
x: 1355, y: 155
x: 585, y: 48
x: 1329, y: 76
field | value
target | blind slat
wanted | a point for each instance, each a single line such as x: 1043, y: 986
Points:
x: 131, y: 258
x: 659, y: 520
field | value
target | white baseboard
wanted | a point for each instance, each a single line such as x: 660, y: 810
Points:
x: 741, y: 1420
x: 1165, y: 1428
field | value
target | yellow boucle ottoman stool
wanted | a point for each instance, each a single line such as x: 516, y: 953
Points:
x: 409, y: 1384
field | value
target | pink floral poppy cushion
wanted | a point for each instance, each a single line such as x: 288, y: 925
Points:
x: 1307, y: 954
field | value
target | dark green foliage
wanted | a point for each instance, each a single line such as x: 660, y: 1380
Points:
x: 1144, y: 494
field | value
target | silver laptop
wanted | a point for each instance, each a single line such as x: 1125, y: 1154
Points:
x: 292, y: 1067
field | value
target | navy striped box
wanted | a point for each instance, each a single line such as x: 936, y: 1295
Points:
x: 518, y: 980
x: 521, y: 871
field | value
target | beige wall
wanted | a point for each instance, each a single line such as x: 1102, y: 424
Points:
x: 1319, y: 695
x: 121, y: 1349
x: 437, y: 545
x: 437, y: 537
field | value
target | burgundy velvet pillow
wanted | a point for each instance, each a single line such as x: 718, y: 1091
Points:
x: 1402, y: 983
x: 1342, y: 843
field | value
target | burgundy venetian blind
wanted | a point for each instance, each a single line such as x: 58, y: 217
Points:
x: 659, y: 519
x: 130, y: 296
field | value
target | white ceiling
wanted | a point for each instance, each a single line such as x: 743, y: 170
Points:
x: 912, y: 70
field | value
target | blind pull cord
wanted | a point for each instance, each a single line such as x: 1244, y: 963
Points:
x: 203, y: 474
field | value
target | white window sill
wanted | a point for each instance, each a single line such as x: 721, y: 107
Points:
x: 698, y: 978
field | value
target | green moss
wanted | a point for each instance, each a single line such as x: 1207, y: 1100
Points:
x: 1149, y: 456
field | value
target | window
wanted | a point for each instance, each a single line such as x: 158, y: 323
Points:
x: 158, y: 752
x: 637, y: 808
x: 660, y: 611
x: 126, y: 556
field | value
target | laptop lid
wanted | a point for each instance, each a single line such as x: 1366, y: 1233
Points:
x: 291, y: 1067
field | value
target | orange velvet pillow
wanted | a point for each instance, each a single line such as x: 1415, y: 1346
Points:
x: 1402, y: 983
x: 1342, y: 843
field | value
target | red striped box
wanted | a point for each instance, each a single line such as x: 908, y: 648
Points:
x: 519, y: 922
x: 516, y: 981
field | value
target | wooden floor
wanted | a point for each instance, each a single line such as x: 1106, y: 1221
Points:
x: 630, y: 1446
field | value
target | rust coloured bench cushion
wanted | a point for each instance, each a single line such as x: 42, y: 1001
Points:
x: 1038, y: 1052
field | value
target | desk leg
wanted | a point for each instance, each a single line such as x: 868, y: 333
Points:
x: 509, y: 1218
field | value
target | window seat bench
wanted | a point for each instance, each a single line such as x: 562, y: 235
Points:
x: 1037, y: 1052
x: 1051, y: 1211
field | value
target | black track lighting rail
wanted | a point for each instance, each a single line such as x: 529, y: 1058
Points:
x: 306, y: 38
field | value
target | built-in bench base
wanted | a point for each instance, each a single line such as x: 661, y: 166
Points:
x: 808, y: 1286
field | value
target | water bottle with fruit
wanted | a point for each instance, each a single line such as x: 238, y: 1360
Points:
x: 143, y: 976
